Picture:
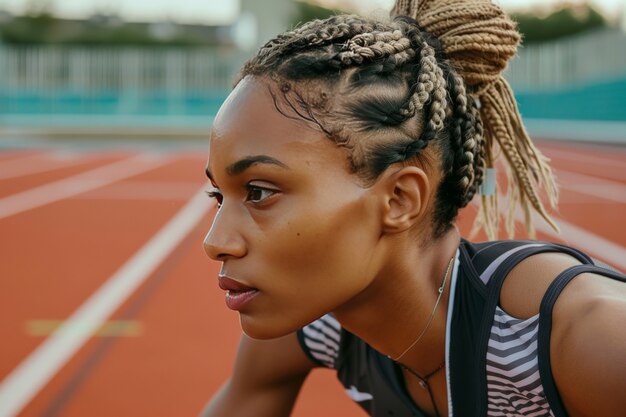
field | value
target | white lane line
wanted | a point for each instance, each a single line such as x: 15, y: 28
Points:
x: 593, y: 186
x: 143, y: 190
x: 594, y: 245
x: 43, y: 163
x: 23, y: 384
x: 582, y: 158
x: 86, y: 181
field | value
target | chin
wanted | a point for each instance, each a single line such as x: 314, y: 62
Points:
x: 264, y: 330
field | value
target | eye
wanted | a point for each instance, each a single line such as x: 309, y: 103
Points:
x: 217, y: 195
x: 258, y: 194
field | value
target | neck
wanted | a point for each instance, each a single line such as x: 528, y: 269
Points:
x: 392, y: 312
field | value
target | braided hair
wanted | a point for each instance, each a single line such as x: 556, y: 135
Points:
x: 387, y: 90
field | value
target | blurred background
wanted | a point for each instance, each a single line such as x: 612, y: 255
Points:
x: 108, y: 305
x: 95, y: 66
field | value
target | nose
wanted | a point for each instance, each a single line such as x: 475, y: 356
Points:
x: 223, y: 240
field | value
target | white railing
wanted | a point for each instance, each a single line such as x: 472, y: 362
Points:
x: 44, y: 69
x: 124, y: 71
x: 582, y: 59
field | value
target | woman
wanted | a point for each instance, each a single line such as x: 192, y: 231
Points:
x: 339, y: 162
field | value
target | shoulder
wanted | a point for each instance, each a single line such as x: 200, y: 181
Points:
x: 588, y: 336
x: 588, y: 346
x: 526, y: 284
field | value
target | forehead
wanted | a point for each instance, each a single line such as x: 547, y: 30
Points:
x: 248, y: 123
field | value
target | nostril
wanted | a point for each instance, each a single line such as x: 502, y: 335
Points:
x: 220, y: 252
x: 213, y: 253
x: 220, y: 256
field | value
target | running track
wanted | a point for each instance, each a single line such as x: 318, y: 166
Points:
x: 109, y: 307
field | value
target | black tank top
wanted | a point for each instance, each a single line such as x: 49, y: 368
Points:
x: 496, y: 365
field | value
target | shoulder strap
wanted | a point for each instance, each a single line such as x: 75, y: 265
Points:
x: 489, y: 260
x: 493, y: 276
x: 505, y: 266
x: 545, y: 328
x: 483, y: 254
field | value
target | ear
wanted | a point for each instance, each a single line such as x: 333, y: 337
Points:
x: 406, y: 195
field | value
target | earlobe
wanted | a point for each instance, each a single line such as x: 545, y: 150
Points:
x: 406, y: 196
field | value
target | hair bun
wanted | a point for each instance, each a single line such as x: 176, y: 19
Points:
x: 477, y: 36
x: 479, y: 39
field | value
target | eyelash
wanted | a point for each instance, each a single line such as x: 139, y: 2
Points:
x: 256, y: 188
x: 217, y: 195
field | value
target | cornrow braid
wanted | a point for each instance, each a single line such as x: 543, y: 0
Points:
x: 311, y: 34
x: 421, y: 93
x: 371, y: 46
x: 384, y: 91
x: 428, y: 96
x: 480, y: 159
x: 462, y: 164
x: 479, y: 39
x: 464, y: 138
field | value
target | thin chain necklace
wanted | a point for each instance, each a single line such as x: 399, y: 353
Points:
x: 423, y: 379
x: 432, y: 314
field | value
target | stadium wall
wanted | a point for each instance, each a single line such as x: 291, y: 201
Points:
x: 581, y: 79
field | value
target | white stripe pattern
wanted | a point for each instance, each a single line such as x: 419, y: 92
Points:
x: 322, y: 338
x: 513, y: 382
x: 487, y: 273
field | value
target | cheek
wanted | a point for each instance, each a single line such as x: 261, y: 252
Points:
x: 308, y: 258
x: 310, y: 268
x: 326, y: 251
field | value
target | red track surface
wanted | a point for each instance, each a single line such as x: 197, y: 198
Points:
x: 53, y: 257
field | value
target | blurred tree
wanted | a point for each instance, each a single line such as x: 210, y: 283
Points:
x: 39, y: 7
x: 309, y: 10
x: 126, y: 35
x: 44, y: 28
x: 39, y: 26
x: 36, y: 26
x: 566, y: 21
x: 28, y: 29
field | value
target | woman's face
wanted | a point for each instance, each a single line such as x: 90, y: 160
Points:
x: 295, y: 230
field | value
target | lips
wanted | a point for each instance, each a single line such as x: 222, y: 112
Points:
x: 229, y: 284
x: 237, y: 294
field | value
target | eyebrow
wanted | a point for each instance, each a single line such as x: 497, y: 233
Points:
x: 240, y: 166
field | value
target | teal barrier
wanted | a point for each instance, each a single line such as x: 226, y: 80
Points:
x: 112, y: 103
x: 595, y: 101
x: 602, y: 101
